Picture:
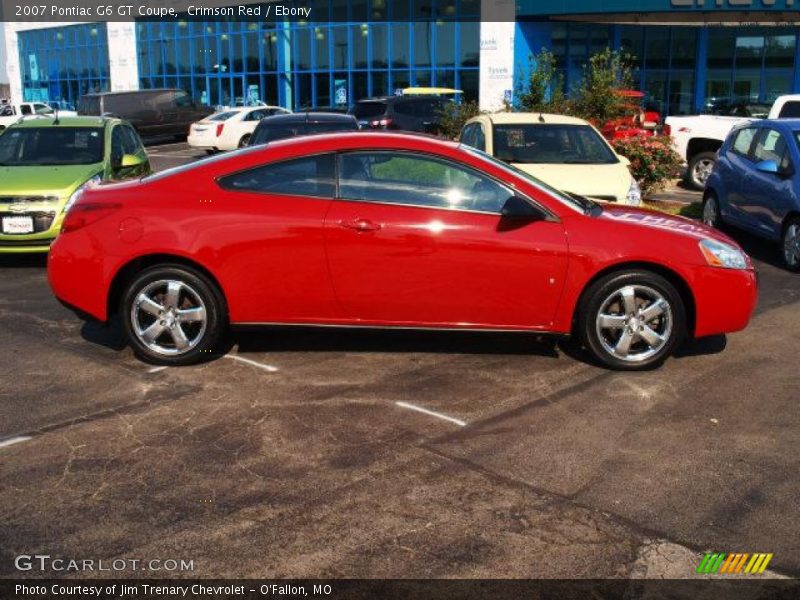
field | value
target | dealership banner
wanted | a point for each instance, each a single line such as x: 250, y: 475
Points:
x: 416, y: 589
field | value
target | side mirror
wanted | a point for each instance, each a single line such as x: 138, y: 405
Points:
x: 131, y: 160
x: 518, y: 208
x: 768, y: 166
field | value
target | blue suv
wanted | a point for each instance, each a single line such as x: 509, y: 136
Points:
x: 755, y: 184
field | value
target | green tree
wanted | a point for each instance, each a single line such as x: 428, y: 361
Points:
x: 544, y: 90
x: 597, y: 98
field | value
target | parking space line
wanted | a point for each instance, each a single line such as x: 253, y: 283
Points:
x: 14, y: 440
x: 157, y: 369
x: 253, y: 363
x: 431, y: 413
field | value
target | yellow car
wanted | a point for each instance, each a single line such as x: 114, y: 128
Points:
x: 566, y: 153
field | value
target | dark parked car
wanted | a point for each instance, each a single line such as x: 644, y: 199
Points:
x: 755, y: 184
x: 154, y: 113
x: 409, y: 113
x: 280, y: 127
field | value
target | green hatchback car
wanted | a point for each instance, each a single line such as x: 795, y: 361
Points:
x: 45, y: 164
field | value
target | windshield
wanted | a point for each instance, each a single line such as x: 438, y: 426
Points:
x: 52, y: 145
x: 576, y: 203
x: 551, y: 144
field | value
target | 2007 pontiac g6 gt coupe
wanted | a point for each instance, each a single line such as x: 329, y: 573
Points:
x: 389, y: 230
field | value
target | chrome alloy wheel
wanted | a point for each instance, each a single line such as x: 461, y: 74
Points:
x: 168, y: 317
x: 710, y: 211
x: 634, y: 323
x: 791, y: 245
x: 702, y: 170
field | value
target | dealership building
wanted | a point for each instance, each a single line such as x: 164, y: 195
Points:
x: 687, y: 52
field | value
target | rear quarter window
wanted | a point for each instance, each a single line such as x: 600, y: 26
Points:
x: 790, y: 110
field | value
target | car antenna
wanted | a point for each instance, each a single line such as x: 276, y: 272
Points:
x: 541, y: 118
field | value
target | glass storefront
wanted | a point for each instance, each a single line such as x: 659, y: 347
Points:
x: 60, y: 64
x: 307, y: 64
x: 735, y: 64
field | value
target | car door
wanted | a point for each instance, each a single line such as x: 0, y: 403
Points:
x: 733, y: 169
x: 414, y: 239
x: 274, y: 260
x: 768, y: 197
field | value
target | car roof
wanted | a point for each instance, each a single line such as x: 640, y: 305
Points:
x: 308, y: 117
x: 532, y: 118
x: 50, y: 121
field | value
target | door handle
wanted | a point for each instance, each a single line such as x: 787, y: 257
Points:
x: 360, y: 225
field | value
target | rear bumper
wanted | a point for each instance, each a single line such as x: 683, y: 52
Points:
x: 202, y: 143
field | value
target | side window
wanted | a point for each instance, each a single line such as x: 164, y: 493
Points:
x: 310, y: 176
x: 183, y: 100
x: 480, y: 138
x: 25, y: 109
x: 117, y: 144
x: 468, y: 135
x: 743, y: 141
x: 417, y: 180
x: 255, y: 115
x: 790, y: 110
x: 771, y: 145
x: 131, y: 142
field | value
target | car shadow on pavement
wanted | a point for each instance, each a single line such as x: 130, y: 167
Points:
x: 277, y: 339
x: 23, y: 261
x: 758, y: 248
x: 108, y: 336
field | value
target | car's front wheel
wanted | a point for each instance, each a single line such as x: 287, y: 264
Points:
x: 172, y: 315
x: 790, y: 243
x: 700, y: 167
x: 632, y: 320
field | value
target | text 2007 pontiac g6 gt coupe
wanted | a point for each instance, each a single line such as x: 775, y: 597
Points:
x: 389, y: 230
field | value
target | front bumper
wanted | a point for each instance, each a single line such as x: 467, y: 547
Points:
x: 725, y: 300
x: 46, y: 231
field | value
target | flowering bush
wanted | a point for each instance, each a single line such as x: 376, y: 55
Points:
x: 653, y: 160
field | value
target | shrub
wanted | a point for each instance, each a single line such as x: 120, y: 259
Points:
x: 453, y: 116
x: 597, y: 99
x: 544, y: 90
x: 653, y: 160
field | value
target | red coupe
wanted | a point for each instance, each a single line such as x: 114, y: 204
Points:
x: 389, y: 230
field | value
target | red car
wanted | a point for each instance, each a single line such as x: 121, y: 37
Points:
x: 389, y: 230
x: 639, y: 122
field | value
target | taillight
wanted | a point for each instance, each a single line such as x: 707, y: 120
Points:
x: 220, y: 127
x: 667, y: 129
x: 380, y: 123
x: 82, y: 215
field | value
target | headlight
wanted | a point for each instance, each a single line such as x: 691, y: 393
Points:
x: 719, y: 254
x: 634, y: 197
x: 79, y: 192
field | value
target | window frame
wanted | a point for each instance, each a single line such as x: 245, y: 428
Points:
x: 416, y: 153
x: 762, y: 134
x: 218, y: 182
x: 749, y: 155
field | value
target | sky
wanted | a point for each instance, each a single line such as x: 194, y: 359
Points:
x: 3, y: 75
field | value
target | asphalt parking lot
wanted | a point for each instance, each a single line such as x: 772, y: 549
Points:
x: 308, y: 454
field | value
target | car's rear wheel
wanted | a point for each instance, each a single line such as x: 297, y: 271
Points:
x: 244, y: 141
x: 172, y: 315
x: 700, y: 167
x: 632, y: 320
x: 790, y: 243
x: 711, y: 212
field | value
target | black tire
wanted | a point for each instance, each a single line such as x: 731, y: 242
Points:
x: 790, y: 244
x: 669, y: 325
x: 699, y: 169
x: 210, y: 152
x: 712, y: 215
x: 244, y: 141
x: 195, y: 294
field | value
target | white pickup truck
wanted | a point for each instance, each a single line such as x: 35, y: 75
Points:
x: 698, y: 138
x: 11, y: 113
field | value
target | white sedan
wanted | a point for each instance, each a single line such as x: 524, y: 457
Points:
x: 230, y: 128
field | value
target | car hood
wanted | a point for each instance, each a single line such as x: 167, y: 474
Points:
x: 44, y: 181
x: 652, y: 219
x: 595, y: 181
